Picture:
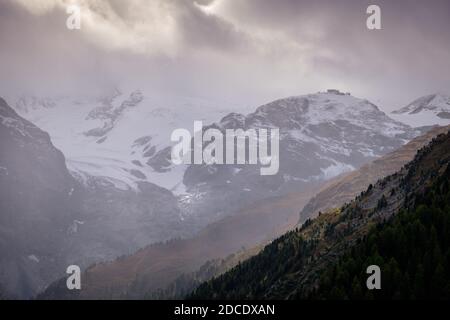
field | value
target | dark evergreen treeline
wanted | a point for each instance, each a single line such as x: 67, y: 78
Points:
x: 412, y: 251
x: 249, y: 280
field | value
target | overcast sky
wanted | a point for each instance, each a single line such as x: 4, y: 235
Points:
x: 247, y: 52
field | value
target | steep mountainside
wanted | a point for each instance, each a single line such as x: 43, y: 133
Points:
x: 427, y: 110
x: 39, y: 199
x: 293, y: 266
x: 49, y: 220
x: 412, y: 252
x: 345, y: 187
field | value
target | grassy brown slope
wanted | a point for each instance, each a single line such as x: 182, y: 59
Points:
x: 157, y: 266
x: 187, y: 282
x: 345, y: 187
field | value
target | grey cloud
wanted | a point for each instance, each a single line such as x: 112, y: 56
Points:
x: 247, y: 51
x: 409, y: 56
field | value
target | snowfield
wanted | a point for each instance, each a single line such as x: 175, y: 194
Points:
x: 101, y: 137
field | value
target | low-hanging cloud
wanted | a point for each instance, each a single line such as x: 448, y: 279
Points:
x: 244, y: 51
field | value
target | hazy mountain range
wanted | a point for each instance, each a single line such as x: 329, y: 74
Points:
x: 115, y: 190
x: 174, y: 269
x: 124, y: 139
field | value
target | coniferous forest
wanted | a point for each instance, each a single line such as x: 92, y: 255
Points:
x: 412, y: 250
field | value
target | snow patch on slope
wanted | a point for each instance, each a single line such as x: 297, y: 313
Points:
x: 428, y: 110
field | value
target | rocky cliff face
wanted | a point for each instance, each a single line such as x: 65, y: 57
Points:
x: 39, y: 199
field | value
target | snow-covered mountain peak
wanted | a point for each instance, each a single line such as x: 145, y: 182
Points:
x: 436, y: 101
x: 433, y: 109
x: 298, y: 112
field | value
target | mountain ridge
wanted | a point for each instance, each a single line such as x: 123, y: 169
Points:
x: 431, y: 109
